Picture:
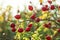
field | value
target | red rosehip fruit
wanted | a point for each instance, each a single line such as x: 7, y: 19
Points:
x: 47, y: 25
x: 46, y: 5
x: 58, y: 20
x: 49, y: 1
x: 27, y: 29
x: 59, y: 7
x: 13, y: 29
x: 30, y: 25
x: 33, y: 16
x: 37, y: 20
x: 18, y: 16
x: 48, y: 37
x: 45, y: 8
x: 30, y: 8
x: 12, y: 25
x: 59, y: 30
x: 20, y: 30
x: 52, y: 7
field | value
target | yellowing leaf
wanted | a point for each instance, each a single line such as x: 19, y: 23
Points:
x: 26, y: 38
x: 9, y: 17
x: 55, y: 32
x: 45, y: 29
x: 44, y: 16
x: 8, y: 8
x: 17, y: 36
x: 1, y: 18
x: 34, y: 35
x: 27, y: 16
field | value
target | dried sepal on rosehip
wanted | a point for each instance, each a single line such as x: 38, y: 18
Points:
x: 18, y: 11
x: 41, y: 1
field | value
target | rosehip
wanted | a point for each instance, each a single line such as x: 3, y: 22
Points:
x: 20, y: 30
x: 59, y: 7
x: 50, y: 2
x: 17, y: 16
x: 30, y: 8
x: 58, y: 20
x: 12, y: 25
x: 52, y: 7
x: 46, y: 5
x: 48, y: 37
x: 13, y: 29
x: 45, y: 8
x: 47, y: 25
x: 27, y: 29
x: 33, y: 16
x: 30, y: 25
x: 58, y: 30
x: 37, y: 20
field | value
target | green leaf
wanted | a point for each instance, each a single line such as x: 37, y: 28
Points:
x: 25, y: 24
x: 39, y: 13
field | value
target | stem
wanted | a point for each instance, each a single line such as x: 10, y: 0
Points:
x: 41, y: 20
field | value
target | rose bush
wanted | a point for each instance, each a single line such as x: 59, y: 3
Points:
x: 40, y: 24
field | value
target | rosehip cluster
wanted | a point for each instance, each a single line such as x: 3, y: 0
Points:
x: 28, y: 28
x: 33, y: 17
x: 47, y: 25
x: 20, y: 29
x: 36, y: 19
x: 13, y: 27
x: 46, y: 8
